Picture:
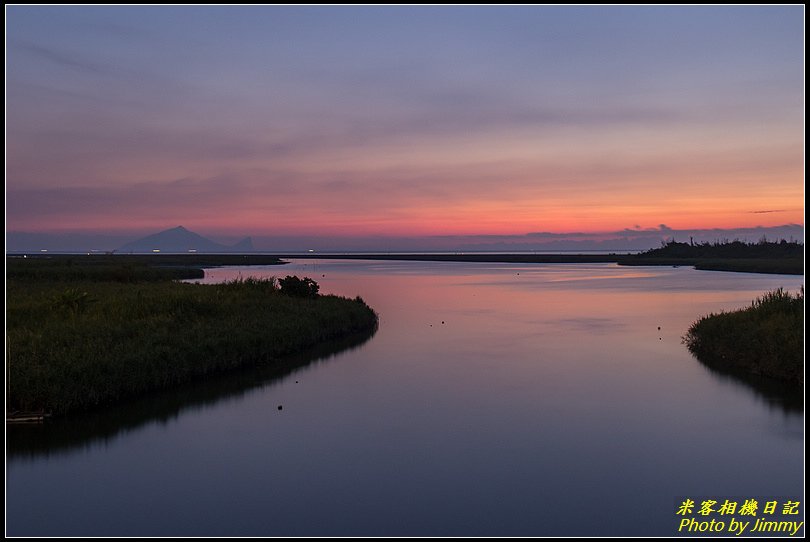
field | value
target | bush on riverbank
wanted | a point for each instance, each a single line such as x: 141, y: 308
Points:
x: 73, y: 345
x: 766, y: 338
x: 305, y: 287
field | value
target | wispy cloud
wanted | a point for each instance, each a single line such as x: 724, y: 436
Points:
x: 62, y: 58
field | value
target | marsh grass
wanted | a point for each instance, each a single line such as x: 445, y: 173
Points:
x: 77, y: 344
x: 123, y: 267
x: 766, y: 338
x: 101, y: 269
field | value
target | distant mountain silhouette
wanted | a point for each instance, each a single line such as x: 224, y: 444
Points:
x: 180, y: 239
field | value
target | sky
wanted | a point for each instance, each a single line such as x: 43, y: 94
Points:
x: 357, y: 122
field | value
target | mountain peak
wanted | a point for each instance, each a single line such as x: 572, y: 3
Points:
x: 179, y: 239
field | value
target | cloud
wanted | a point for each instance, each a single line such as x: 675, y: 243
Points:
x: 638, y: 229
x: 148, y: 198
x: 62, y: 58
x: 639, y: 239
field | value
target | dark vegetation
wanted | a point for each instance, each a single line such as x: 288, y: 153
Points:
x: 765, y: 339
x: 103, y: 424
x: 783, y: 257
x: 305, y: 287
x: 91, y: 337
x: 123, y: 267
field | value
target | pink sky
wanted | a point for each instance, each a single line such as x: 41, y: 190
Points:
x: 342, y: 123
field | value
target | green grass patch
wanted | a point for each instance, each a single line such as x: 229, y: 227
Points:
x: 75, y: 344
x: 764, y: 339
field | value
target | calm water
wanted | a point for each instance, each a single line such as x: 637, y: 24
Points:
x: 495, y: 399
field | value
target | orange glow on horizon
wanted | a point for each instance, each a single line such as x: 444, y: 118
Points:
x: 480, y: 220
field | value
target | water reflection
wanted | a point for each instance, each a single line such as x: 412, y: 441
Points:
x: 777, y: 394
x: 85, y: 429
x: 494, y: 400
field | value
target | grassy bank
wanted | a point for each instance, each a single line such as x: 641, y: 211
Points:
x: 765, y: 339
x: 102, y: 424
x: 77, y: 344
x: 123, y: 267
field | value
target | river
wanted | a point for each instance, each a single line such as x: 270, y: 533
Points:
x: 494, y: 400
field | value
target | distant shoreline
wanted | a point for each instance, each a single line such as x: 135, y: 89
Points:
x: 778, y: 266
x: 464, y: 257
x: 782, y: 266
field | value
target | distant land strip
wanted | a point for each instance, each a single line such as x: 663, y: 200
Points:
x: 791, y: 264
x: 466, y: 257
x: 786, y: 266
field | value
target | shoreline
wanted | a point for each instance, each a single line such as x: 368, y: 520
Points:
x: 784, y: 266
x: 196, y: 262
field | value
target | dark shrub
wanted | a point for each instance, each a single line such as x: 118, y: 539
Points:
x: 296, y: 287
